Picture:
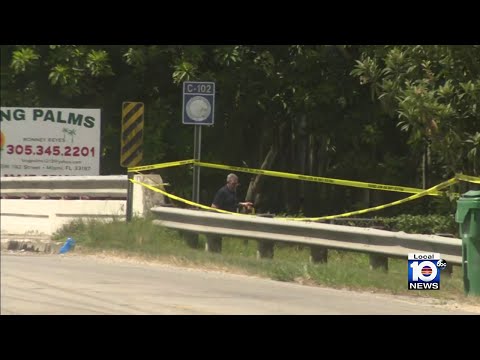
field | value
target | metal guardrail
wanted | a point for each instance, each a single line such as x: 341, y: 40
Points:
x: 316, y: 235
x: 111, y: 186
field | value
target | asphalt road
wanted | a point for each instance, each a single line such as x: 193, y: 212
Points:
x: 79, y: 284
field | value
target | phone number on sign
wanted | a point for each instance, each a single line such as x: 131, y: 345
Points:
x: 51, y: 150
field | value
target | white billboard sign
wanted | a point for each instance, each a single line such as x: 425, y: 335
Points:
x: 49, y: 141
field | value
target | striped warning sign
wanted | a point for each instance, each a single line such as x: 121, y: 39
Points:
x: 132, y: 134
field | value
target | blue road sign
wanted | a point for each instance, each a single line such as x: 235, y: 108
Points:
x: 198, y: 102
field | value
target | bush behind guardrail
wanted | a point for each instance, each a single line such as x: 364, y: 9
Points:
x: 413, y: 224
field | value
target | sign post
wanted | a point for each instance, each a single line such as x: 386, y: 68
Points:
x: 198, y: 109
x: 197, y: 146
x: 131, y: 144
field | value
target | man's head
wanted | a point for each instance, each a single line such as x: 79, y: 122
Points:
x: 232, y: 181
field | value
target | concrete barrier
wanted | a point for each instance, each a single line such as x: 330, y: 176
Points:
x: 111, y: 186
x: 46, y: 216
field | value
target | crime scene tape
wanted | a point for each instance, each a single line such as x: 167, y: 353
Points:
x: 159, y: 166
x: 357, y: 212
x: 333, y: 181
x: 435, y: 190
x: 380, y: 207
x: 468, y: 178
x: 178, y: 198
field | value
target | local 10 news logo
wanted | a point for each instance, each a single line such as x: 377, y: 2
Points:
x: 424, y: 271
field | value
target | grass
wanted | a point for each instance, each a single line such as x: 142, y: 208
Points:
x: 290, y: 263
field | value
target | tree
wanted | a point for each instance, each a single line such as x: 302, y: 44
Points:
x: 434, y: 91
x: 294, y: 108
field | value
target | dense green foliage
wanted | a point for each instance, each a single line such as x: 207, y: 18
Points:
x: 413, y: 224
x: 399, y: 115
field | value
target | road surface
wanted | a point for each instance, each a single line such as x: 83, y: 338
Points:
x: 82, y: 284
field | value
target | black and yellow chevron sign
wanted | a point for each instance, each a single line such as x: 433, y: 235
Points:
x: 132, y: 133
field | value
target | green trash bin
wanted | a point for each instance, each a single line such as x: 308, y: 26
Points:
x: 468, y: 217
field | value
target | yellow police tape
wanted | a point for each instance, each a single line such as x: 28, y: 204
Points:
x: 363, y: 211
x: 178, y: 198
x: 332, y: 181
x: 374, y: 186
x: 380, y: 207
x: 472, y: 179
x: 435, y: 190
x: 159, y: 166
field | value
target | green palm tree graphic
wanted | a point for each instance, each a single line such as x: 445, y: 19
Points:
x: 64, y: 130
x: 71, y: 132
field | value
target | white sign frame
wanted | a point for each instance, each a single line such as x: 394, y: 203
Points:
x: 49, y: 141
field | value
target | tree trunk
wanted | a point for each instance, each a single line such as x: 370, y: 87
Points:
x: 425, y: 165
x: 254, y: 188
x: 311, y: 188
x: 290, y: 187
x: 302, y: 160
